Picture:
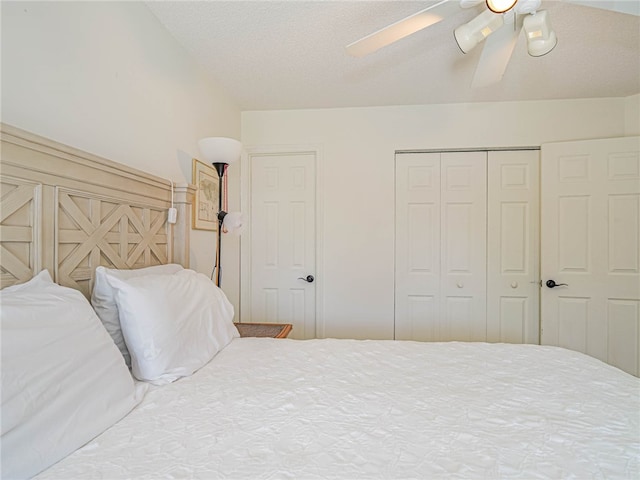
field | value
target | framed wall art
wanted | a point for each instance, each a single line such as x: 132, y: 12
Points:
x: 205, y: 205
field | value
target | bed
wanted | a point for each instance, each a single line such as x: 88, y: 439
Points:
x: 253, y: 408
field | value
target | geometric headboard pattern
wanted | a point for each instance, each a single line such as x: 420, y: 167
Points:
x: 19, y: 215
x: 70, y: 211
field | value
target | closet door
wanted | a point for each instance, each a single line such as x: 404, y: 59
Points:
x: 512, y: 247
x: 417, y: 305
x: 441, y: 246
x: 463, y: 237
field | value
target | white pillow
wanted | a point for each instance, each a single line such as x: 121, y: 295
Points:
x: 172, y: 324
x: 104, y: 301
x: 63, y: 379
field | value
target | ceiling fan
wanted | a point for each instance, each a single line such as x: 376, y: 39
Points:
x: 498, y: 26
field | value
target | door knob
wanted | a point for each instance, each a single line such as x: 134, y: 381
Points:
x: 308, y: 278
x: 553, y: 284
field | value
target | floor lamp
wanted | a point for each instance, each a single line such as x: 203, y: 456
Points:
x: 222, y: 152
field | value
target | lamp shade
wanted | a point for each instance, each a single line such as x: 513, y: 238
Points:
x: 220, y: 149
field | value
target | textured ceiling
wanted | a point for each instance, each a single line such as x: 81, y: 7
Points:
x: 273, y: 55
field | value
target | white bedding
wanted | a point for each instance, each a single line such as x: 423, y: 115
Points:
x: 267, y: 408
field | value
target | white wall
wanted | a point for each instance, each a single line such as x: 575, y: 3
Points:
x: 632, y: 115
x: 107, y: 78
x: 357, y: 184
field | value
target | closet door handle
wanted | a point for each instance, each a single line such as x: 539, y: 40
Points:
x: 308, y: 278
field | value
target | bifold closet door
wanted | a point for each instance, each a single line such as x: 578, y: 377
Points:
x: 513, y: 276
x: 417, y: 295
x: 441, y: 222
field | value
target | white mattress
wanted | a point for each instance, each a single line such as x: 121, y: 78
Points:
x: 268, y: 409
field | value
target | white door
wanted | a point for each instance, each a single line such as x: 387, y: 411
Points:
x: 464, y: 246
x: 591, y: 242
x: 417, y: 304
x: 282, y: 229
x: 441, y: 246
x: 513, y: 247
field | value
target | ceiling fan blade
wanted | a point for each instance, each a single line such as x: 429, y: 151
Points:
x: 496, y: 54
x: 403, y: 28
x: 623, y: 6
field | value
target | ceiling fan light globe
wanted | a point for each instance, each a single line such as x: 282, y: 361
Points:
x: 472, y: 33
x: 233, y: 222
x: 538, y: 48
x: 541, y: 38
x: 463, y: 39
x: 500, y: 6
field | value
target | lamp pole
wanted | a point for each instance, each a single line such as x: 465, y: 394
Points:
x: 220, y: 152
x: 220, y: 167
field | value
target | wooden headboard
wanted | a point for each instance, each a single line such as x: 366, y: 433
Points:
x: 69, y: 211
